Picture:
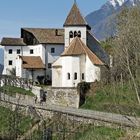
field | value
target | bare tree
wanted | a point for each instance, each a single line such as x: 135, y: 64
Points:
x: 127, y: 45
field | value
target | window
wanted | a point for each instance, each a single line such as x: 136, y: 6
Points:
x: 10, y: 62
x: 79, y: 34
x: 10, y: 51
x: 83, y: 76
x: 18, y: 51
x: 52, y: 50
x: 31, y: 51
x: 75, y: 33
x: 75, y: 76
x: 70, y: 34
x: 49, y: 65
x: 68, y: 75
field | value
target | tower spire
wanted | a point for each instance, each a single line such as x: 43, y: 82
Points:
x: 75, y: 1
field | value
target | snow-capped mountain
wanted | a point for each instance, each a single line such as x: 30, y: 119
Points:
x: 103, y: 21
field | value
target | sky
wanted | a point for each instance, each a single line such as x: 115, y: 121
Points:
x: 15, y: 14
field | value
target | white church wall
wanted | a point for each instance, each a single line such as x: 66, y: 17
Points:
x: 92, y: 71
x: 82, y: 67
x: 71, y: 28
x: 71, y: 65
x: 57, y: 73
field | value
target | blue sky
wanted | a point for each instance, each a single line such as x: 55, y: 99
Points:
x: 15, y: 14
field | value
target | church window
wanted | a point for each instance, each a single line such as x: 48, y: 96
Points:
x: 68, y: 76
x: 52, y: 50
x: 79, y: 34
x: 83, y: 76
x: 10, y: 62
x: 75, y: 76
x: 18, y: 51
x: 71, y: 34
x: 31, y: 51
x: 10, y: 51
x: 49, y: 65
x: 75, y: 33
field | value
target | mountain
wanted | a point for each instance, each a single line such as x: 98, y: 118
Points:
x: 103, y: 21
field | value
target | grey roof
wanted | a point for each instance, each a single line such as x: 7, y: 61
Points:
x: 95, y: 46
x: 12, y: 42
x: 47, y: 36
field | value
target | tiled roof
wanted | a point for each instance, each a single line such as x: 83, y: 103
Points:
x: 12, y: 42
x: 77, y: 47
x: 47, y: 36
x: 75, y: 18
x: 32, y: 62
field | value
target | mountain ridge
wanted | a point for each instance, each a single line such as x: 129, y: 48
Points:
x: 103, y: 21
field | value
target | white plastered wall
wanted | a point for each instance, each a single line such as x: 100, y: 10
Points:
x: 92, y: 71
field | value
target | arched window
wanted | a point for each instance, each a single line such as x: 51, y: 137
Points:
x: 79, y: 34
x: 75, y: 33
x: 68, y: 76
x: 83, y: 76
x: 75, y: 76
x: 71, y: 34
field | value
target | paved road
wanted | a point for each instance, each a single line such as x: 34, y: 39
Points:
x: 88, y: 114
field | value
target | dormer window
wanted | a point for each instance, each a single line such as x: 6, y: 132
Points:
x: 79, y: 34
x: 75, y: 33
x: 71, y: 34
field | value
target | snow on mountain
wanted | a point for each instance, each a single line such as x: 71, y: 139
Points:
x: 116, y: 3
x: 103, y: 21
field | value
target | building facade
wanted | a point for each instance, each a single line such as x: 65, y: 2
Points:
x: 65, y: 56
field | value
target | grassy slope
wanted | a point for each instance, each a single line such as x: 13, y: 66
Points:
x: 6, y: 122
x: 113, y: 98
x: 11, y: 90
x: 101, y: 133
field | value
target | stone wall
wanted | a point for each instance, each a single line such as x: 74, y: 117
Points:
x: 63, y: 97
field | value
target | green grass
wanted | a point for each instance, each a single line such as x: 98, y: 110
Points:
x: 11, y: 90
x: 115, y: 99
x: 7, y: 119
x: 101, y: 133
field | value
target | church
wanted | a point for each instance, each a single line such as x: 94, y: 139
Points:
x: 65, y: 57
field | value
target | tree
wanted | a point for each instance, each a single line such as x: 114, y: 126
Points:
x: 127, y: 45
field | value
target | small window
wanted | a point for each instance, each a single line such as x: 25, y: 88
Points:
x: 75, y: 33
x: 83, y: 76
x: 31, y: 51
x: 10, y: 51
x: 10, y: 62
x: 79, y: 34
x: 75, y: 76
x: 52, y: 50
x: 68, y: 75
x: 49, y: 65
x: 18, y: 51
x: 71, y: 34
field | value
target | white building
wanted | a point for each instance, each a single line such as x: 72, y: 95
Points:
x: 34, y: 43
x: 64, y: 56
x: 83, y: 56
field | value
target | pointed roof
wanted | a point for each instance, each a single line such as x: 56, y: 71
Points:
x: 77, y: 47
x: 75, y: 18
